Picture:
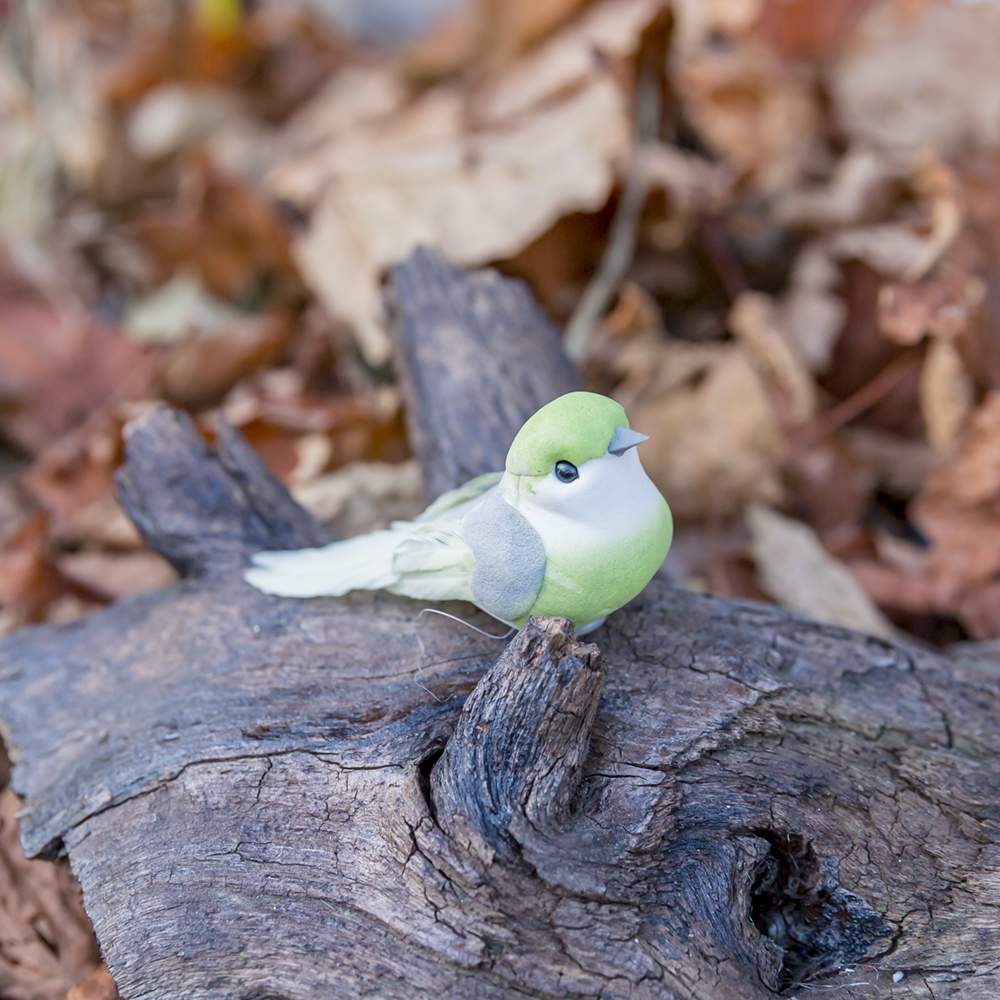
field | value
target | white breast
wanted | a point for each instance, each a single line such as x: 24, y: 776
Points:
x: 612, y: 500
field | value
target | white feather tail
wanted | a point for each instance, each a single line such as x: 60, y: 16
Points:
x: 362, y: 563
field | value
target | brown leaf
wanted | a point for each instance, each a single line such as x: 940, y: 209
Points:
x: 57, y: 369
x: 201, y: 369
x: 959, y: 512
x: 807, y: 28
x: 222, y: 229
x: 46, y: 942
x: 275, y: 416
x: 946, y: 394
x: 711, y: 437
x: 487, y: 32
x: 73, y: 482
x: 756, y: 321
x: 111, y: 575
x: 28, y: 581
x: 98, y: 986
x: 755, y: 110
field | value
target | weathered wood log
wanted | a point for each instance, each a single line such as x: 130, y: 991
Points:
x: 470, y: 345
x: 300, y: 799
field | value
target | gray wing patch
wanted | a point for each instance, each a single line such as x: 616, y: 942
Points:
x: 510, y: 558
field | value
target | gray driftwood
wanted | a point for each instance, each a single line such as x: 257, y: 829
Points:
x: 268, y: 798
x: 479, y: 357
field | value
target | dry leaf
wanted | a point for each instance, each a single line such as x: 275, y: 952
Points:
x: 751, y: 107
x: 711, y: 438
x: 930, y: 80
x: 859, y: 190
x: 958, y: 510
x: 946, y: 394
x: 609, y: 30
x: 694, y: 184
x: 941, y: 304
x: 812, y: 313
x: 756, y: 321
x: 365, y: 496
x: 475, y: 198
x: 27, y: 579
x: 46, y: 943
x: 202, y: 368
x: 223, y: 230
x: 487, y: 32
x: 99, y: 986
x: 900, y: 465
x: 832, y: 488
x: 111, y: 575
x: 72, y: 481
x: 58, y: 368
x: 548, y: 135
x: 894, y: 249
x: 807, y: 28
x: 795, y: 569
x: 174, y: 116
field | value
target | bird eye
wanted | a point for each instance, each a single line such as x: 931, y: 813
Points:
x: 566, y: 472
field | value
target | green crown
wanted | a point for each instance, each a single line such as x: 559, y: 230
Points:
x: 573, y: 428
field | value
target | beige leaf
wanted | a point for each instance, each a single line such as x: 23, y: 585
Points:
x: 173, y: 116
x: 693, y: 183
x: 118, y: 574
x: 569, y: 58
x: 756, y: 320
x: 795, y: 569
x: 475, y: 197
x: 894, y: 249
x: 930, y: 79
x: 859, y: 188
x: 711, y: 438
x: 946, y: 394
x: 364, y: 496
x: 812, y: 313
x: 758, y: 112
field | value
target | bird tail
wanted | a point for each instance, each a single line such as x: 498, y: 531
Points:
x: 362, y: 563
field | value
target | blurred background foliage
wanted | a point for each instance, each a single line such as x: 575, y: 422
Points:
x: 769, y: 226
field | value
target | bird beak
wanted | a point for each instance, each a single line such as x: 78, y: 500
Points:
x: 624, y: 439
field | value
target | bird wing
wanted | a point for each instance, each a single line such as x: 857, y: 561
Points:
x: 434, y: 562
x: 509, y: 558
x: 426, y: 558
x: 455, y: 502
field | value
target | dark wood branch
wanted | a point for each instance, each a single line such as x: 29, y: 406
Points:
x: 515, y: 757
x: 486, y: 334
x: 205, y: 511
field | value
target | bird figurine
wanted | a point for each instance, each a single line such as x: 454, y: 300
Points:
x: 573, y: 527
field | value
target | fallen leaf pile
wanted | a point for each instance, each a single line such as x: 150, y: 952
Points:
x: 786, y: 212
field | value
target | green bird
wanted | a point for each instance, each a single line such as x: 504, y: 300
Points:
x: 573, y: 527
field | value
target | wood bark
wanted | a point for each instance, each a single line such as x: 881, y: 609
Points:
x: 335, y: 798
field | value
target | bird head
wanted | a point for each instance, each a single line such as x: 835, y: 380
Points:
x: 575, y: 456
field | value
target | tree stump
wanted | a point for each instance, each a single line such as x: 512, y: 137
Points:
x: 272, y: 798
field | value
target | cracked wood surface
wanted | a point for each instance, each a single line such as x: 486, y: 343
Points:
x: 269, y: 798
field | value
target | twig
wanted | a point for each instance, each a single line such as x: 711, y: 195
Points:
x: 620, y: 247
x: 720, y: 252
x: 820, y: 428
